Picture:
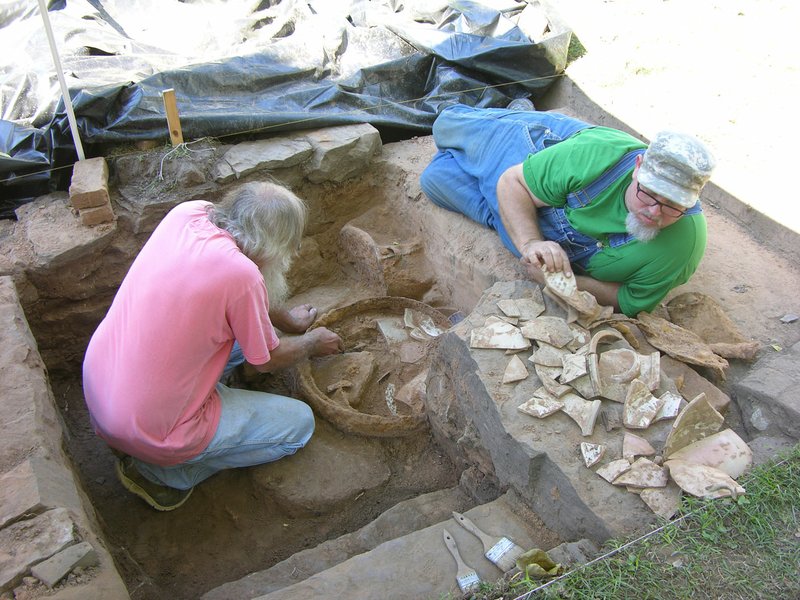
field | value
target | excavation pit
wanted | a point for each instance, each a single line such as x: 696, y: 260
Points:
x: 371, y: 239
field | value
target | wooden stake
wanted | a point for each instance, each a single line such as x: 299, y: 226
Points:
x: 173, y: 118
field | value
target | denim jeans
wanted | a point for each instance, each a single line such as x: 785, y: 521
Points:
x: 254, y: 428
x: 476, y: 146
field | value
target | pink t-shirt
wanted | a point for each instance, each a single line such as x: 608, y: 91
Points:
x: 151, y: 367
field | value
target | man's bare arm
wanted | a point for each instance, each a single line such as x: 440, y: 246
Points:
x: 518, y: 206
x: 292, y: 349
x: 606, y: 292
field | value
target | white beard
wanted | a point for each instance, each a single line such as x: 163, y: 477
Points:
x: 638, y: 230
x: 275, y: 280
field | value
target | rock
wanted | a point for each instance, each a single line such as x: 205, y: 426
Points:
x: 34, y: 486
x: 58, y: 566
x: 262, y: 155
x: 333, y: 468
x: 28, y: 542
x: 341, y: 152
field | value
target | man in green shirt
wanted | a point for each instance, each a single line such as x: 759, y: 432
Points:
x: 562, y: 194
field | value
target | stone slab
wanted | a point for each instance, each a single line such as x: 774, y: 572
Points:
x: 418, y: 565
x: 34, y: 486
x: 25, y: 543
x: 61, y: 564
x: 402, y: 519
x: 767, y: 395
x: 334, y: 468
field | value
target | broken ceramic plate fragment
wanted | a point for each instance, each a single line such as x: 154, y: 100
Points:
x: 643, y: 473
x: 664, y: 501
x: 614, y: 469
x: 419, y: 335
x: 412, y: 352
x: 496, y: 333
x: 633, y: 446
x: 512, y: 320
x: 698, y: 420
x: 509, y: 307
x: 592, y: 453
x: 550, y: 330
x: 542, y: 404
x: 583, y: 412
x: 515, y: 370
x: 680, y: 343
x: 604, y: 336
x: 724, y: 450
x: 548, y: 355
x: 580, y: 337
x: 392, y: 330
x: 702, y: 481
x: 408, y: 319
x: 427, y: 325
x: 549, y: 378
x: 584, y: 303
x: 583, y: 385
x: 530, y: 308
x: 671, y: 407
x: 640, y: 406
x: 574, y: 366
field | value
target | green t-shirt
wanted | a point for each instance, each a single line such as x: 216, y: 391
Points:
x: 647, y: 271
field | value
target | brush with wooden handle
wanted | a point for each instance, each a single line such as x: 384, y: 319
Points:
x: 501, y: 551
x: 466, y: 576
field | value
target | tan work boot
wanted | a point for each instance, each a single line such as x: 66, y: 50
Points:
x: 158, y: 496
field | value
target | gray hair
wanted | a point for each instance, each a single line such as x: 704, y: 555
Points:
x: 265, y: 219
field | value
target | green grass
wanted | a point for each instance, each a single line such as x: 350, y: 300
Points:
x: 721, y: 549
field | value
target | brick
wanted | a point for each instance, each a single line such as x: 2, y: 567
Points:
x: 61, y: 564
x: 89, y: 186
x: 97, y: 215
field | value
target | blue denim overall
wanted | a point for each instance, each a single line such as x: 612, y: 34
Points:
x: 476, y: 146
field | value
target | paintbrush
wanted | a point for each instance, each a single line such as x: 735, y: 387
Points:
x: 501, y: 551
x: 466, y: 576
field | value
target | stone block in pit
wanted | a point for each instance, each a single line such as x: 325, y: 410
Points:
x: 768, y: 396
x: 33, y: 486
x: 341, y: 152
x: 332, y: 469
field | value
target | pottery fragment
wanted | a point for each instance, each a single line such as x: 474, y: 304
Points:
x: 592, y: 453
x: 664, y: 501
x: 551, y: 330
x: 583, y: 412
x: 515, y: 370
x: 549, y: 378
x: 724, y: 450
x: 548, y: 355
x: 509, y: 307
x: 671, y: 407
x: 614, y: 469
x: 696, y: 421
x: 580, y: 337
x: 633, y: 446
x: 574, y: 366
x: 542, y: 404
x: 643, y: 473
x: 496, y: 333
x: 702, y: 481
x: 640, y: 406
x: 530, y: 308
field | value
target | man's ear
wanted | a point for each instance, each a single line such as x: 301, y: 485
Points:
x: 637, y: 164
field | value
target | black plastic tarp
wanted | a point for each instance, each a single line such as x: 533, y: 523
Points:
x: 243, y: 68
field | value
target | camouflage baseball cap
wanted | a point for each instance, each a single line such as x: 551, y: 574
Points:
x: 676, y: 166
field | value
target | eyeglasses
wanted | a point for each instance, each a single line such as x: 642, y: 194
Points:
x: 666, y: 209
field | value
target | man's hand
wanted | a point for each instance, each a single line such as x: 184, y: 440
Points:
x: 296, y: 320
x: 544, y: 256
x: 322, y: 341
